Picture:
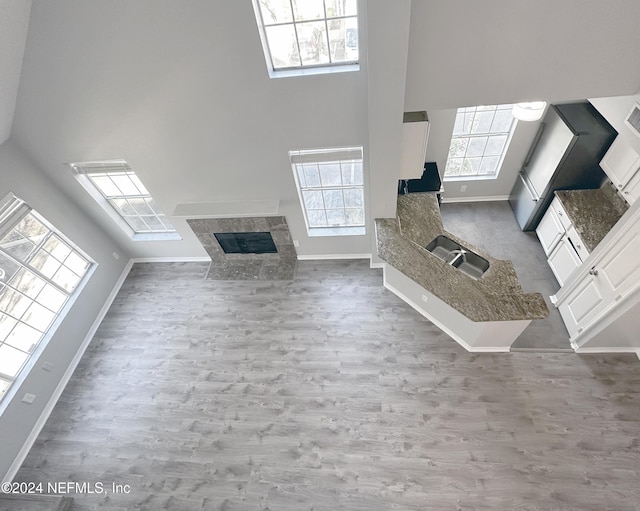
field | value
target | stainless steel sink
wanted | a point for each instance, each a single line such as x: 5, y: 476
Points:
x: 459, y: 257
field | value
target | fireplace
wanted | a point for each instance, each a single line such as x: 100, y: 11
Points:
x: 247, y: 248
x: 246, y: 242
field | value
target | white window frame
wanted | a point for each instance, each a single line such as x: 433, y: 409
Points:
x: 12, y: 211
x: 342, y: 156
x: 480, y: 134
x: 304, y: 69
x: 83, y: 173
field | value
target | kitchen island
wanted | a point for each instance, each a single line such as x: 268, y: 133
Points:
x: 483, y: 314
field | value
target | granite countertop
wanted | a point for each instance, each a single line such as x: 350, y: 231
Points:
x: 593, y: 212
x: 496, y: 296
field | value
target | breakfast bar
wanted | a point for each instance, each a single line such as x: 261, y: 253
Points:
x: 483, y: 313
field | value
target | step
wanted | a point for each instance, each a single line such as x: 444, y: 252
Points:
x: 35, y: 502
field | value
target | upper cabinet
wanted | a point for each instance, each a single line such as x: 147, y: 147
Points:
x: 415, y: 133
x: 621, y: 164
x: 631, y: 190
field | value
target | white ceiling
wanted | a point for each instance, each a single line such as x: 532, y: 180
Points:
x: 180, y: 89
x: 14, y: 24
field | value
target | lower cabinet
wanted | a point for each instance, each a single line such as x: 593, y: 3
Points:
x: 585, y: 304
x: 550, y: 230
x: 631, y: 191
x: 561, y: 242
x: 614, y: 275
x: 563, y: 260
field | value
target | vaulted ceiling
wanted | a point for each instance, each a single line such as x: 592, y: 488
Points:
x: 181, y: 91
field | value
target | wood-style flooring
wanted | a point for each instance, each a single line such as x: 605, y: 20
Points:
x: 329, y: 393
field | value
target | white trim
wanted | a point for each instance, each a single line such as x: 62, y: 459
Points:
x: 302, y: 70
x: 323, y: 155
x: 156, y: 236
x: 332, y: 154
x: 319, y: 257
x: 44, y: 416
x: 378, y: 265
x: 473, y: 110
x: 82, y: 173
x: 325, y: 232
x: 485, y: 198
x: 185, y: 259
x: 309, y: 71
x: 441, y: 326
x: 603, y: 349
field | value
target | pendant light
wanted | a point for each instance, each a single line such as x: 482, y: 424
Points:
x: 531, y: 111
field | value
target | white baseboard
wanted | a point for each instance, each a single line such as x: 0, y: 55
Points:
x: 321, y: 257
x: 604, y: 350
x: 186, y: 259
x: 444, y: 328
x: 492, y: 198
x: 35, y: 431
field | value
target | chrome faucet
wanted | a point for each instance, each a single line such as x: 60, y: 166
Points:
x: 457, y: 254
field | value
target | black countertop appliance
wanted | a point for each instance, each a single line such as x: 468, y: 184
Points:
x: 428, y: 182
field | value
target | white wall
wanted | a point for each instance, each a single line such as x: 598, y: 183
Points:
x: 14, y: 23
x: 438, y: 148
x: 183, y: 94
x: 388, y: 40
x: 466, y: 53
x: 19, y: 175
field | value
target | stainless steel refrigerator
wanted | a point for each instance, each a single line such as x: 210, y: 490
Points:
x: 565, y: 155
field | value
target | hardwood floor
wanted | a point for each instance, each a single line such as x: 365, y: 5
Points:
x: 326, y: 393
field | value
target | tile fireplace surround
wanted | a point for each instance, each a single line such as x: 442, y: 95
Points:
x: 279, y: 266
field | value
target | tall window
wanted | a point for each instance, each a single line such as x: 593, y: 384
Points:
x: 39, y: 272
x: 308, y: 33
x: 331, y: 188
x: 125, y: 195
x: 481, y: 135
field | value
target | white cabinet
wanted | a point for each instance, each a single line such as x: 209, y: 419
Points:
x: 621, y: 164
x: 615, y: 274
x: 563, y: 261
x: 584, y: 305
x: 619, y: 269
x: 550, y: 229
x: 557, y: 206
x: 415, y: 134
x: 631, y: 192
x: 577, y: 243
x: 561, y: 242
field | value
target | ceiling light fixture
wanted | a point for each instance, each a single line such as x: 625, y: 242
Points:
x: 531, y: 111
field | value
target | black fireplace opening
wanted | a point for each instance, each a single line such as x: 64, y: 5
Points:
x: 246, y: 242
